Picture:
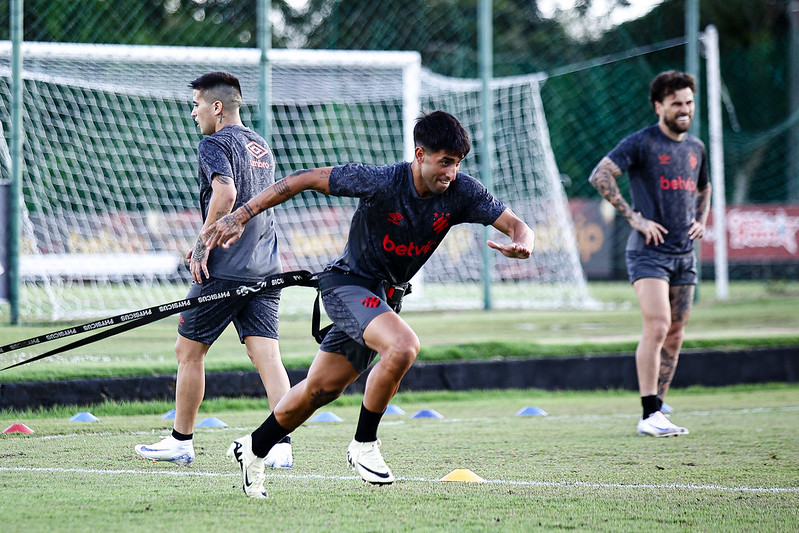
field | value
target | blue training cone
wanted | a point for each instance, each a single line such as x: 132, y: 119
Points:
x: 326, y: 416
x: 169, y: 415
x: 393, y: 410
x: 427, y: 413
x: 211, y: 422
x: 84, y: 416
x: 531, y: 411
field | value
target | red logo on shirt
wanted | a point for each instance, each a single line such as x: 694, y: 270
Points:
x: 395, y: 218
x: 441, y: 222
x: 677, y: 184
x: 693, y: 160
x: 664, y: 159
x: 411, y: 249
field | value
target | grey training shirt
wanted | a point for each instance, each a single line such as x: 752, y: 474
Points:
x: 241, y: 154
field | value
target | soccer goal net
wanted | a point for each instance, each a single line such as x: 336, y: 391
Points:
x: 110, y: 173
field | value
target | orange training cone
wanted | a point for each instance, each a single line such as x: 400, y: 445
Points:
x: 462, y: 474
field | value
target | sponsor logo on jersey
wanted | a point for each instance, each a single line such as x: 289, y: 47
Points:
x: 408, y: 250
x: 258, y: 152
x: 395, y: 218
x: 441, y: 222
x: 677, y: 184
x: 664, y: 159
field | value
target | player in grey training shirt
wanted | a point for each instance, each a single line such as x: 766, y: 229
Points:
x: 671, y: 202
x: 403, y: 213
x: 235, y: 164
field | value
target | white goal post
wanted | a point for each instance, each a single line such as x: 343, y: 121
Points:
x: 110, y: 186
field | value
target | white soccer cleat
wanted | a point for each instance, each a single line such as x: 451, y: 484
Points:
x: 280, y: 456
x: 169, y: 449
x: 366, y: 459
x: 252, y: 467
x: 657, y: 425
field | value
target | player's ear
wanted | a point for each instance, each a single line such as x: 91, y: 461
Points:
x: 419, y: 154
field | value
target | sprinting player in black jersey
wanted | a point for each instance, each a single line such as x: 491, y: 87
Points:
x: 235, y: 164
x: 670, y: 190
x: 404, y: 212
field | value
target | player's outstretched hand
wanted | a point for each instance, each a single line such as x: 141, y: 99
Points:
x: 512, y: 249
x: 224, y: 232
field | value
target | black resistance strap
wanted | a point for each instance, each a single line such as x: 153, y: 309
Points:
x: 134, y: 319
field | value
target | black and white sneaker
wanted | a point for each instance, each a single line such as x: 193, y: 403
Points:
x: 252, y: 467
x: 366, y: 459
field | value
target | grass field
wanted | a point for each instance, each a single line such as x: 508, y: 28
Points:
x: 756, y: 314
x: 581, y: 467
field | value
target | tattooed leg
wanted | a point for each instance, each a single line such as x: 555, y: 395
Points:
x: 680, y: 298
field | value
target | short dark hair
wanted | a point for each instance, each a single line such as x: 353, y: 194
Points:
x: 438, y: 130
x: 223, y: 86
x: 669, y: 82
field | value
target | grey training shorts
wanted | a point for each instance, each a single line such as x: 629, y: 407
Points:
x: 352, y: 308
x: 675, y: 269
x: 254, y: 315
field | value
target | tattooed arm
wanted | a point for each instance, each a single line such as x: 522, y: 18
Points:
x: 223, y: 197
x: 226, y: 231
x: 699, y: 223
x: 603, y: 178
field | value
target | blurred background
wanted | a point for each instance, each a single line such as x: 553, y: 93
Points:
x: 594, y: 60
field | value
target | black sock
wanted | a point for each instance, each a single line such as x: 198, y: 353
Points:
x: 660, y: 403
x: 181, y: 436
x: 267, y: 435
x: 650, y: 405
x: 367, y: 425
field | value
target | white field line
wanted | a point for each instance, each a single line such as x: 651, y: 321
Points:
x: 578, y: 484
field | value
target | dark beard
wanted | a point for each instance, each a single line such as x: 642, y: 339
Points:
x: 676, y: 127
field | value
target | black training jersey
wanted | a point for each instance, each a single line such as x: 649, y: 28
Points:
x: 241, y: 154
x: 664, y: 177
x: 394, y: 231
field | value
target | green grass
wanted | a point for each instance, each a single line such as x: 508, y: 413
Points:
x: 755, y: 314
x: 582, y: 467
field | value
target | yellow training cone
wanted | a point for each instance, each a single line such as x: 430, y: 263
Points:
x: 462, y: 474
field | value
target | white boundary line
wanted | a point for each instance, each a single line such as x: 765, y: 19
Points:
x: 577, y: 484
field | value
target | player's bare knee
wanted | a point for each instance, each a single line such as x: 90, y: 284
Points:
x: 321, y: 397
x: 657, y: 328
x: 400, y: 357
